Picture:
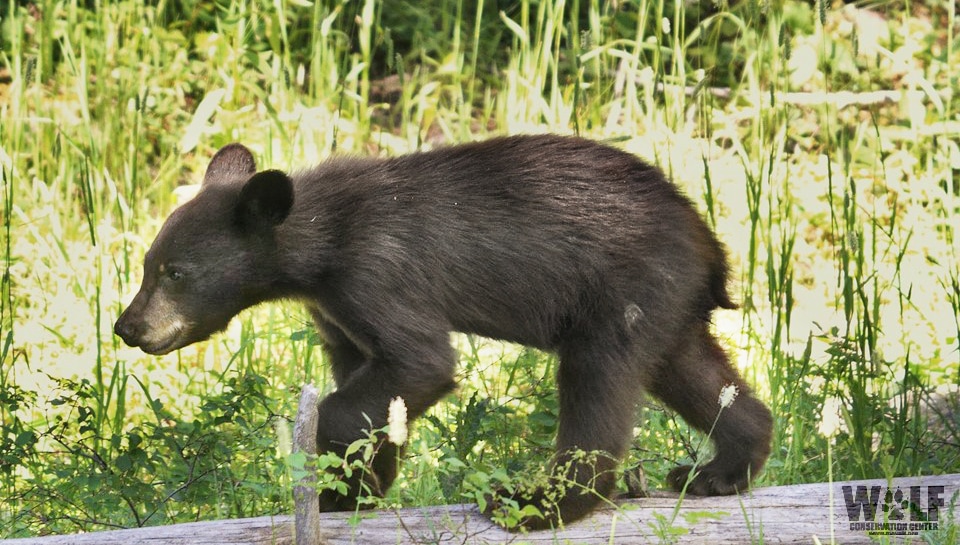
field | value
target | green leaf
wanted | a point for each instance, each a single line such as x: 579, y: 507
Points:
x: 26, y: 438
x: 355, y: 447
x: 123, y: 463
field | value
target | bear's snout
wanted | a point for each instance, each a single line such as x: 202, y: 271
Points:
x: 153, y: 324
x: 126, y: 329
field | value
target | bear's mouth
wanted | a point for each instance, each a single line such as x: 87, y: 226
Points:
x: 161, y: 348
x: 173, y: 336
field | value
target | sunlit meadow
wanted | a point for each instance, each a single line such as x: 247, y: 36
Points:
x: 822, y: 142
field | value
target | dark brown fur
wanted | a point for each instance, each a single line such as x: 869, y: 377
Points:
x: 553, y: 242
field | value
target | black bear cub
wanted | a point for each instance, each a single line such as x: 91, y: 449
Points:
x: 558, y: 243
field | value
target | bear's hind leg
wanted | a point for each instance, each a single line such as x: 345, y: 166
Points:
x: 689, y: 381
x: 598, y: 390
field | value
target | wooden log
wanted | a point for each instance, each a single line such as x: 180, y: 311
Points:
x: 837, y: 99
x: 844, y: 511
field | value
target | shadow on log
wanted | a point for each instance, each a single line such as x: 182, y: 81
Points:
x: 781, y: 514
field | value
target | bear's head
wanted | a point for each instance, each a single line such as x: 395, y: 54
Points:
x: 214, y: 256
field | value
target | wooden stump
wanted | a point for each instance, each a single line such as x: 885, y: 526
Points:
x: 306, y: 504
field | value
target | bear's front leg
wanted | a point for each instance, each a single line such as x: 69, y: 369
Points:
x: 420, y: 373
x: 377, y: 474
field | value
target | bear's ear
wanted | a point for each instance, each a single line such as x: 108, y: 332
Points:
x: 265, y: 199
x: 233, y: 164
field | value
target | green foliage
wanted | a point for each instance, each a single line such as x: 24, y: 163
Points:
x: 80, y: 477
x: 949, y: 528
x: 838, y: 210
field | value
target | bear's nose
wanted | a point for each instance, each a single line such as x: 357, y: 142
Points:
x: 126, y: 329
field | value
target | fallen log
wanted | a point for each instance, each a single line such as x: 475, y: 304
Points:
x: 848, y: 512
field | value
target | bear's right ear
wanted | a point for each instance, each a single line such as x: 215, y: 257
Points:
x: 265, y: 199
x: 233, y: 164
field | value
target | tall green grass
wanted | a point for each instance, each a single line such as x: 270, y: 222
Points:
x: 840, y: 222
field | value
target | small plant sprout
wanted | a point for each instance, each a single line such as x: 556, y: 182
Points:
x: 397, y: 421
x: 727, y: 395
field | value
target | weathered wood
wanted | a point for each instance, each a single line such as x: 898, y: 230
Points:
x: 306, y: 504
x: 837, y: 99
x: 781, y: 514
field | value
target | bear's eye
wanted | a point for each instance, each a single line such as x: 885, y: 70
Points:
x: 172, y: 273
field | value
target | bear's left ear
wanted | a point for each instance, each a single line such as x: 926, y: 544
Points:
x: 265, y: 199
x: 231, y: 165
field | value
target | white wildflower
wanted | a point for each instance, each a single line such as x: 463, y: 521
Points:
x: 397, y: 421
x: 831, y: 419
x: 727, y: 395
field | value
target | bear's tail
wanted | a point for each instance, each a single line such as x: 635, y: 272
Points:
x: 718, y: 284
x: 719, y: 272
